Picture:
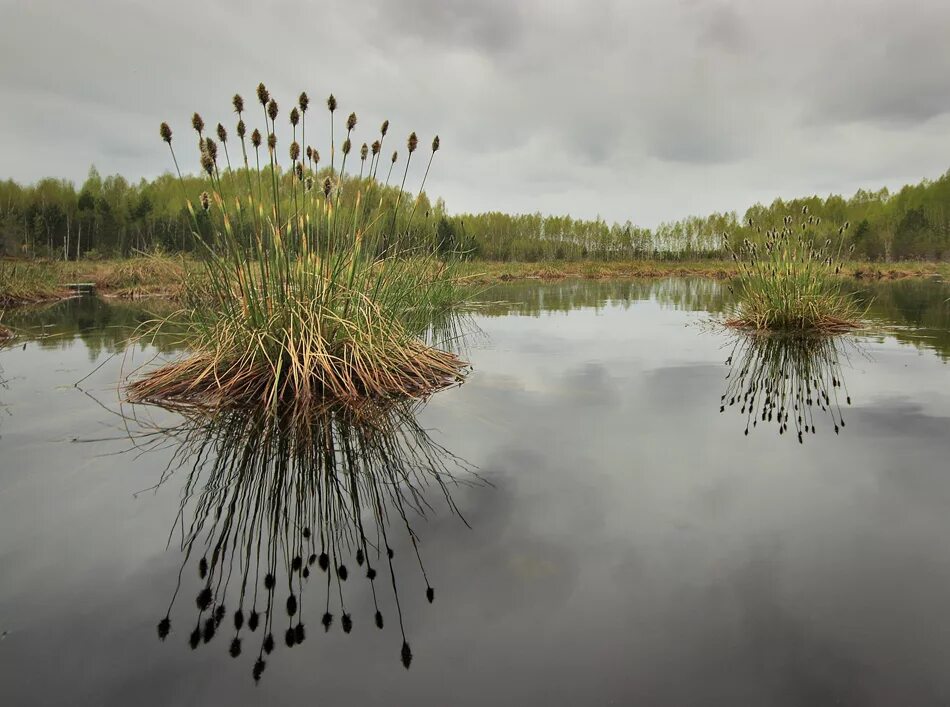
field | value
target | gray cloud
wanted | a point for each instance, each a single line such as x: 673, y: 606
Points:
x: 646, y: 111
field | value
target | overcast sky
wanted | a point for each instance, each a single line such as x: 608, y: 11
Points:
x: 646, y: 111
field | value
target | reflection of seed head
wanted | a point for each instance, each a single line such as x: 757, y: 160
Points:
x: 406, y: 655
x: 359, y: 557
x: 238, y: 619
x: 430, y: 594
x: 347, y: 622
x: 203, y: 562
x: 342, y: 573
x: 269, y: 581
x: 204, y: 598
x: 379, y: 619
x: 195, y: 638
x: 291, y: 605
x: 253, y: 620
x: 268, y: 643
x: 290, y: 638
x: 164, y: 626
x: 299, y: 634
x: 259, y: 666
x: 327, y: 620
x: 235, y: 649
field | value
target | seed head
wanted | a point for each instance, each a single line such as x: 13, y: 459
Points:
x: 364, y: 150
x: 211, y: 147
x: 241, y: 129
x: 376, y: 146
x: 272, y: 109
x: 294, y: 117
x: 346, y: 146
x: 331, y: 103
x: 435, y: 144
x: 351, y: 121
x: 384, y: 128
x: 316, y: 157
x: 165, y: 132
x: 327, y: 187
x: 294, y: 150
x: 238, y: 103
x: 207, y: 164
x: 412, y: 143
x: 308, y: 184
x: 262, y: 94
x: 197, y: 123
x: 395, y: 156
x: 222, y: 133
x: 256, y: 138
x: 309, y: 154
x: 299, y: 170
x: 303, y: 102
x: 272, y: 141
x: 205, y: 200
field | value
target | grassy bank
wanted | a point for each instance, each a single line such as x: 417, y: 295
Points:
x: 23, y: 282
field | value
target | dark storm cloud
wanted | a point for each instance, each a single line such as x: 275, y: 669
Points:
x: 648, y: 110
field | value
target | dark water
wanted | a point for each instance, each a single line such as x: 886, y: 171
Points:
x: 594, y: 530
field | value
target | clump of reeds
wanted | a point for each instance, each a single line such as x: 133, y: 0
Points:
x: 787, y: 380
x: 26, y: 282
x: 787, y: 278
x: 311, y: 290
x: 273, y: 493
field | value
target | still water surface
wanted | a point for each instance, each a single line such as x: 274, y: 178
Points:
x: 592, y: 528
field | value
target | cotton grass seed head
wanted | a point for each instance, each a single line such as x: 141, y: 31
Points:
x: 197, y: 123
x: 165, y: 132
x: 205, y: 200
x: 346, y: 146
x: 364, y: 150
x: 376, y: 146
x: 222, y: 133
x: 238, y: 103
x: 384, y: 128
x: 303, y: 102
x: 435, y: 144
x: 412, y: 143
x: 241, y: 129
x: 272, y: 141
x: 351, y: 121
x: 256, y: 138
x: 331, y: 103
x: 272, y: 109
x: 294, y: 150
x: 395, y: 156
x: 262, y: 95
x: 294, y: 117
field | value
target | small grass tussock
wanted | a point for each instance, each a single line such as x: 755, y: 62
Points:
x: 23, y: 282
x: 310, y: 290
x: 788, y: 279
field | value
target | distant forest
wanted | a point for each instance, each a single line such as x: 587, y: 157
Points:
x: 109, y: 216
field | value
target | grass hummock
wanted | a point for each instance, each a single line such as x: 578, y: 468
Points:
x: 787, y: 279
x: 309, y: 291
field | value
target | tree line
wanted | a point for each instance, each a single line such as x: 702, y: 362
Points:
x: 111, y: 216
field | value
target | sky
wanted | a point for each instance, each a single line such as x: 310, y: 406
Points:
x: 642, y: 110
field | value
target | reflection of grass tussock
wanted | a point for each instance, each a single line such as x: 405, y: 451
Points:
x: 308, y: 294
x: 279, y: 501
x: 786, y: 380
x: 787, y: 280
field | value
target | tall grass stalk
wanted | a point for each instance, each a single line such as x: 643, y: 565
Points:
x: 313, y: 298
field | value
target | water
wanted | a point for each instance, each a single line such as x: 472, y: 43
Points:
x: 594, y: 529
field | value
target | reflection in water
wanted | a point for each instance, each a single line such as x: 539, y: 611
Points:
x: 277, y: 505
x: 782, y: 379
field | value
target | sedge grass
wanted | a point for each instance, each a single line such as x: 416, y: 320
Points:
x: 310, y: 291
x: 788, y: 279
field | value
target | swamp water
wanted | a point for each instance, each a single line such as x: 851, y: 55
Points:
x: 592, y: 528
